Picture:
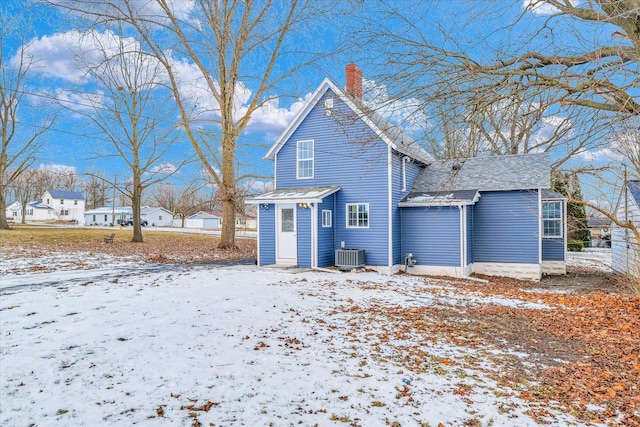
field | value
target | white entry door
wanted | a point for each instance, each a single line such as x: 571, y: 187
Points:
x: 287, y: 246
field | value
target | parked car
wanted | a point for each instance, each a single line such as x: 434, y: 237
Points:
x: 143, y: 222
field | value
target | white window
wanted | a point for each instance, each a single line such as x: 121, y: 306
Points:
x: 328, y: 106
x: 75, y: 202
x: 326, y: 218
x: 305, y: 159
x: 358, y: 215
x: 62, y: 201
x: 552, y: 219
x: 159, y: 217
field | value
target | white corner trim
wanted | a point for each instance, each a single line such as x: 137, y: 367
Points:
x: 540, y: 226
x: 390, y: 202
x: 314, y: 235
x: 258, y: 237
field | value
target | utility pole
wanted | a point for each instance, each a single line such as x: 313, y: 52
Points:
x: 113, y: 202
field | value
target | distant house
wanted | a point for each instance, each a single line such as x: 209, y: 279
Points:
x: 156, y: 216
x: 67, y: 205
x: 625, y: 248
x: 36, y: 211
x: 351, y: 190
x: 105, y: 215
x: 200, y: 219
x: 600, y: 230
x: 243, y: 220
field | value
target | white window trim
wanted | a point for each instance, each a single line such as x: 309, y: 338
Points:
x: 347, y: 215
x: 312, y: 158
x: 559, y: 220
x: 327, y: 214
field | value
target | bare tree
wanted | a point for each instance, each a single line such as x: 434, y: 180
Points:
x: 129, y: 116
x: 96, y: 190
x: 20, y: 132
x: 241, y: 51
x: 183, y: 202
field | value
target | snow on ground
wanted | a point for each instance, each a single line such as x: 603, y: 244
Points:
x: 598, y: 259
x: 154, y: 345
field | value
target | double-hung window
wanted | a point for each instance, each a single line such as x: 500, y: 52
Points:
x: 305, y: 159
x: 358, y: 215
x: 326, y: 218
x: 552, y: 219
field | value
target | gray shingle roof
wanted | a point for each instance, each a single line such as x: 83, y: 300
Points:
x: 523, y: 171
x: 634, y: 190
x: 440, y: 198
x: 552, y: 195
x: 60, y: 194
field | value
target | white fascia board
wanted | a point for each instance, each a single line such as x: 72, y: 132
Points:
x: 302, y: 114
x: 317, y: 94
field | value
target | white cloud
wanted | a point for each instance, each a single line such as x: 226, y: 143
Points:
x: 163, y: 169
x: 57, y: 168
x: 543, y: 7
x: 407, y: 113
x: 68, y: 56
x: 622, y: 145
x: 80, y: 102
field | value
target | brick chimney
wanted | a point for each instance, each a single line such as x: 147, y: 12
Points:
x: 354, y: 81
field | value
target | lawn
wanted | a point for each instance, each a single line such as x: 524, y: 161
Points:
x: 129, y: 341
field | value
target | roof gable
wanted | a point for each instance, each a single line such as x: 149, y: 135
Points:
x: 391, y: 135
x: 495, y: 173
x: 633, y: 187
x: 61, y: 194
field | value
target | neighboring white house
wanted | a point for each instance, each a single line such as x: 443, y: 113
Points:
x: 156, y: 216
x: 200, y: 219
x: 625, y: 248
x: 67, y: 205
x: 243, y: 220
x: 105, y: 215
x: 36, y: 211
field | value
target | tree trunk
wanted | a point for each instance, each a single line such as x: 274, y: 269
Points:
x: 24, y: 213
x: 136, y: 199
x: 4, y: 225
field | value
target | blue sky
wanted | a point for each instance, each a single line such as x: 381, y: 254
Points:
x: 55, y: 42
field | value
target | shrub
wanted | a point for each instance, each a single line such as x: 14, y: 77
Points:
x: 575, y: 245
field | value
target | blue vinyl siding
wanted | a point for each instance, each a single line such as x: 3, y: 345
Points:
x: 267, y: 235
x: 350, y: 155
x: 412, y: 171
x: 506, y: 227
x: 553, y: 249
x: 303, y: 231
x: 326, y: 246
x: 432, y: 235
x: 469, y: 234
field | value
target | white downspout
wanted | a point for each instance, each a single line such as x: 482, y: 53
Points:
x: 540, y: 228
x: 258, y: 237
x: 462, y: 239
x: 390, y: 201
x: 314, y: 235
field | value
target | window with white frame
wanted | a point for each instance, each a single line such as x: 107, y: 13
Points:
x: 62, y: 201
x: 357, y: 215
x: 552, y: 219
x: 326, y: 218
x: 305, y: 159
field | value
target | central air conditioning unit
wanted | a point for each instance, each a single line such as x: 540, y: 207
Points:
x: 348, y: 259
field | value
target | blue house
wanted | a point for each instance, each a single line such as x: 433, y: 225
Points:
x: 352, y: 190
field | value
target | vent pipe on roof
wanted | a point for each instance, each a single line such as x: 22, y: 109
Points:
x: 354, y: 81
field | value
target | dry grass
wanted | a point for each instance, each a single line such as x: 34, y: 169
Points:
x: 158, y: 246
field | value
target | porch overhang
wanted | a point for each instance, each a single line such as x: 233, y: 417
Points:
x: 440, y: 198
x: 294, y: 195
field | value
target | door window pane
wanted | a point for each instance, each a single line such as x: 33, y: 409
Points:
x: 287, y: 220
